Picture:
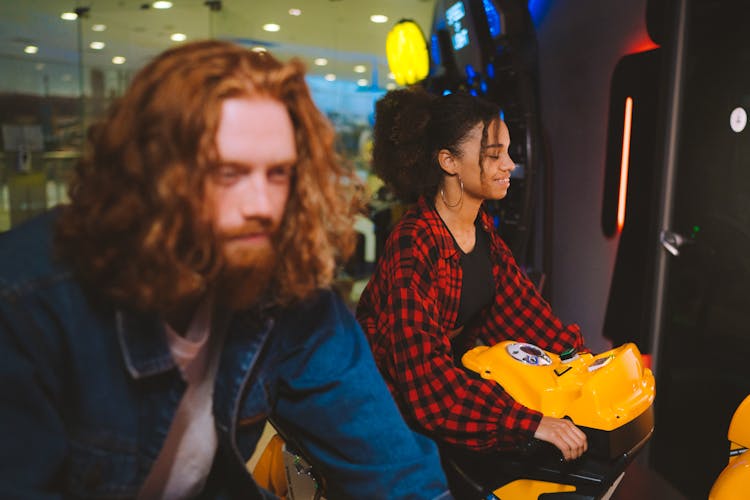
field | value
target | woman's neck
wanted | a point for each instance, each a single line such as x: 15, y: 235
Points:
x: 460, y: 220
x: 461, y: 217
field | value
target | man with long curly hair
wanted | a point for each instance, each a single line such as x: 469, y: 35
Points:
x: 149, y: 328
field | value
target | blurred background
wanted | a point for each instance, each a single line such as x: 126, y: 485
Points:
x: 629, y: 207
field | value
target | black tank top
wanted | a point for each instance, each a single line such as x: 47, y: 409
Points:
x: 477, y: 286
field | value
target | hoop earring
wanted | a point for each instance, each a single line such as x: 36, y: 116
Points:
x: 460, y: 198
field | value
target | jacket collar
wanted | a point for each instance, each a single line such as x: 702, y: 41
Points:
x: 431, y: 218
x: 144, y: 344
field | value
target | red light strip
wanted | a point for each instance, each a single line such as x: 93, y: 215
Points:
x: 625, y: 163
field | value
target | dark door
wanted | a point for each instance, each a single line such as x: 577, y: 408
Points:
x: 704, y: 361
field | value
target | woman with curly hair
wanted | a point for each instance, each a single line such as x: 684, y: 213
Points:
x: 151, y: 327
x: 446, y: 280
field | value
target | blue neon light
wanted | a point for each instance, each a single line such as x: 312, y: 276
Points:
x: 538, y: 10
x: 435, y: 50
x: 493, y: 18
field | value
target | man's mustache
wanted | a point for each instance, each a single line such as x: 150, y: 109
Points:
x: 253, y: 226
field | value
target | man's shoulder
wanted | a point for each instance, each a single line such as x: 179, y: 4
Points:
x: 27, y: 255
x: 319, y: 303
x: 323, y: 310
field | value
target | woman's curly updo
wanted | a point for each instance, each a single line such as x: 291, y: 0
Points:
x: 412, y: 126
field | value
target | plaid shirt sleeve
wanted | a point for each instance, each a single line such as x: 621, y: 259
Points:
x: 403, y: 311
x: 520, y: 313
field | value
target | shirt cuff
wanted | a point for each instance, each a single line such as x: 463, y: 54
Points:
x: 527, y: 422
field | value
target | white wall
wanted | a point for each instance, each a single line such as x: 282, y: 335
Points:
x: 580, y: 42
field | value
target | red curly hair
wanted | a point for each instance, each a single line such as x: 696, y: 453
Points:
x: 138, y: 228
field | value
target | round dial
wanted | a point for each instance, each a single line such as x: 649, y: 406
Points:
x: 528, y: 354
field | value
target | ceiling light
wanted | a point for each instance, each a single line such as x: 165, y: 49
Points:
x: 359, y: 68
x: 161, y: 4
x: 178, y: 37
x: 320, y: 61
x: 362, y: 82
x: 295, y: 12
x: 98, y: 27
x: 118, y: 60
x: 259, y: 49
x: 379, y: 18
x: 330, y: 77
x: 69, y: 16
x: 271, y: 27
x: 391, y: 76
x: 31, y: 49
x: 97, y: 45
x: 390, y: 85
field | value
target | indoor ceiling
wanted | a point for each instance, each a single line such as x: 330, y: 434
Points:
x: 338, y: 30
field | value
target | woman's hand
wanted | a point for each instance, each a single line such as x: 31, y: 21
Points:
x: 564, y: 435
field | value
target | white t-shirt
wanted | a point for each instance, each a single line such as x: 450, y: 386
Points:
x: 183, y: 464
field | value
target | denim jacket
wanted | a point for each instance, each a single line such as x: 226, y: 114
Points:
x: 87, y: 392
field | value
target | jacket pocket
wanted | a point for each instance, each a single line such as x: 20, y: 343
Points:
x: 103, y: 466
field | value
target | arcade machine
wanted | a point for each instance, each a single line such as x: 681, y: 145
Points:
x: 681, y: 288
x: 488, y: 48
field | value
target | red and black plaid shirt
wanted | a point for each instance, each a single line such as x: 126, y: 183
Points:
x: 410, y: 305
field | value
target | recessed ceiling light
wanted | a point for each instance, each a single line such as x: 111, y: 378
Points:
x: 259, y: 49
x: 295, y: 12
x: 330, y: 77
x: 271, y: 27
x: 379, y: 18
x: 69, y: 16
x: 320, y: 61
x: 31, y: 49
x: 118, y: 60
x: 98, y: 27
x: 362, y: 82
x: 359, y: 68
x: 97, y: 45
x: 178, y: 37
x: 161, y: 4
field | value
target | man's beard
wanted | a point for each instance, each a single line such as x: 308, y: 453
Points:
x: 247, y: 274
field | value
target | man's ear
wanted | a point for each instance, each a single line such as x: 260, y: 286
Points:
x: 447, y: 162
